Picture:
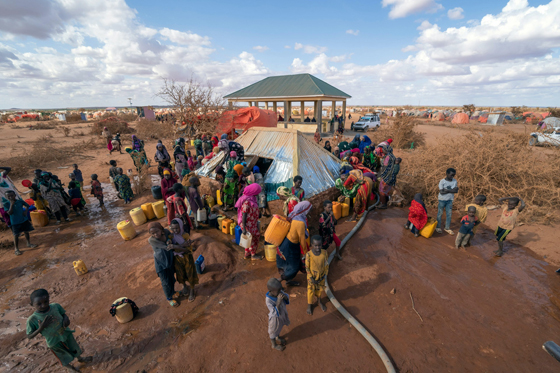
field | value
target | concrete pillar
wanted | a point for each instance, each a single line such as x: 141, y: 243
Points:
x: 344, y: 112
x: 302, y: 104
x: 266, y: 105
x: 315, y: 110
x: 256, y: 104
x: 286, y: 111
x: 275, y: 107
x: 319, y: 115
x: 250, y: 103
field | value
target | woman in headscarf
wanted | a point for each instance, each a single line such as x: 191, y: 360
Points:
x: 346, y: 193
x: 238, y: 149
x: 161, y: 241
x: 370, y: 159
x: 224, y: 136
x: 215, y: 141
x: 365, y: 142
x: 167, y: 191
x: 363, y: 193
x: 355, y: 143
x: 183, y: 260
x: 248, y: 218
x: 355, y: 163
x: 179, y: 155
x: 336, y: 152
x: 417, y: 215
x: 230, y: 185
x: 386, y: 175
x: 123, y: 182
x: 108, y: 138
x: 317, y: 136
x: 290, y: 201
x: 52, y: 192
x: 327, y: 146
x: 138, y: 158
x: 340, y: 129
x: 137, y: 144
x: 294, y: 247
x: 162, y: 158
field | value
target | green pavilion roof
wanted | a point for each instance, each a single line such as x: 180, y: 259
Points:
x: 288, y: 86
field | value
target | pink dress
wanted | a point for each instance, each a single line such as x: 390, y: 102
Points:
x: 252, y: 212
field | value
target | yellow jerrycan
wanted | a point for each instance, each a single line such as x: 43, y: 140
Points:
x: 80, y: 267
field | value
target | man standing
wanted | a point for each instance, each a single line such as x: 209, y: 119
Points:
x: 447, y: 190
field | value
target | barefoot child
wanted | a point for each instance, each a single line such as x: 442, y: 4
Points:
x: 297, y: 190
x: 183, y: 260
x: 468, y: 222
x: 19, y: 222
x: 317, y: 266
x: 181, y: 210
x: 161, y: 241
x: 481, y: 212
x: 77, y: 200
x: 327, y: 224
x: 51, y: 321
x: 507, y: 221
x: 78, y: 175
x: 276, y: 301
x: 96, y: 189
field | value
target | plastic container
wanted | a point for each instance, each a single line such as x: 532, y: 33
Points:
x: 246, y: 240
x: 213, y: 221
x: 138, y: 216
x: 158, y: 209
x: 148, y: 211
x: 345, y: 210
x: 277, y: 230
x: 232, y: 228
x: 124, y: 312
x: 126, y: 229
x: 201, y: 215
x: 270, y: 252
x: 347, y: 201
x: 40, y: 205
x: 219, y: 198
x: 192, y: 142
x: 238, y: 233
x: 30, y: 202
x: 156, y: 192
x: 80, y: 267
x: 429, y: 228
x: 337, y: 210
x: 226, y: 223
x: 221, y: 218
x: 39, y: 218
x: 199, y: 264
x: 210, y: 201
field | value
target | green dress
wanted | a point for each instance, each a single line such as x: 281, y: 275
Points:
x: 345, y: 192
x: 59, y: 339
x: 125, y: 189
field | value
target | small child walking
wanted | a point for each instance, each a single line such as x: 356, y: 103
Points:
x: 19, y: 222
x: 96, y: 189
x: 481, y: 212
x: 78, y: 175
x: 327, y: 224
x: 468, y: 222
x: 77, y: 200
x: 317, y: 267
x: 276, y: 301
x: 507, y: 221
x: 50, y: 320
x: 297, y: 190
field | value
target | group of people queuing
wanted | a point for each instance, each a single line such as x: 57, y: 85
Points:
x: 476, y: 213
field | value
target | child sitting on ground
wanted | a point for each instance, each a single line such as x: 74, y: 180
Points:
x: 327, y: 224
x: 96, y: 189
x: 51, y: 321
x: 507, y: 221
x: 468, y: 222
x: 481, y: 212
x: 297, y: 190
x: 317, y: 267
x: 78, y: 175
x: 276, y: 301
x: 77, y: 200
x: 183, y: 260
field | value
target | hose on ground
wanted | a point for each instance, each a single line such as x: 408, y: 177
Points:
x: 369, y: 338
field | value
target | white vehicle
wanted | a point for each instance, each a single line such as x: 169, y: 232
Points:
x: 549, y: 136
x: 368, y: 121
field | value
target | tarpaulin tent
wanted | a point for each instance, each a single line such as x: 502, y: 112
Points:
x: 439, y: 116
x: 245, y: 118
x: 460, y: 118
x: 483, y: 119
x: 552, y: 122
x: 288, y: 153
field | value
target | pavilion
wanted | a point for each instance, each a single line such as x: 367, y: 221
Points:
x: 300, y: 88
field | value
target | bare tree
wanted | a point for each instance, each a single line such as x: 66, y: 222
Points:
x: 469, y: 108
x: 198, y: 106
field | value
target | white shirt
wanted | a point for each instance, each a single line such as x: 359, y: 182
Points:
x: 446, y: 185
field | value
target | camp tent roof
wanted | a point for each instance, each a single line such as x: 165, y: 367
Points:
x: 288, y: 86
x: 292, y: 154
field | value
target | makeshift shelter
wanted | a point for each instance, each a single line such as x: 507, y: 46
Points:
x: 439, y: 116
x: 111, y: 109
x: 460, y: 118
x: 495, y: 119
x: 281, y: 154
x: 245, y: 118
x: 552, y: 122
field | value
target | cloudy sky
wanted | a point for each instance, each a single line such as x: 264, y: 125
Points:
x: 73, y: 53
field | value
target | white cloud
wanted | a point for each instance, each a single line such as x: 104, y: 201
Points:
x: 455, y: 13
x: 260, y: 48
x: 187, y: 38
x: 424, y: 25
x: 404, y: 8
x: 287, y: 46
x: 309, y: 49
x: 353, y: 32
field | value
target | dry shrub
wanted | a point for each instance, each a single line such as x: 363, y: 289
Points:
x: 41, y: 155
x: 401, y: 130
x: 79, y: 133
x: 114, y: 124
x: 149, y: 129
x: 49, y: 125
x: 141, y: 182
x: 74, y: 118
x: 65, y: 131
x: 495, y: 166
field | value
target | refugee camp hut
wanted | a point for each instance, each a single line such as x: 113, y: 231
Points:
x: 494, y: 119
x: 287, y: 89
x: 460, y: 118
x: 281, y: 154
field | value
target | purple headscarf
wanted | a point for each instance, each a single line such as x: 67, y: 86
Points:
x: 300, y: 212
